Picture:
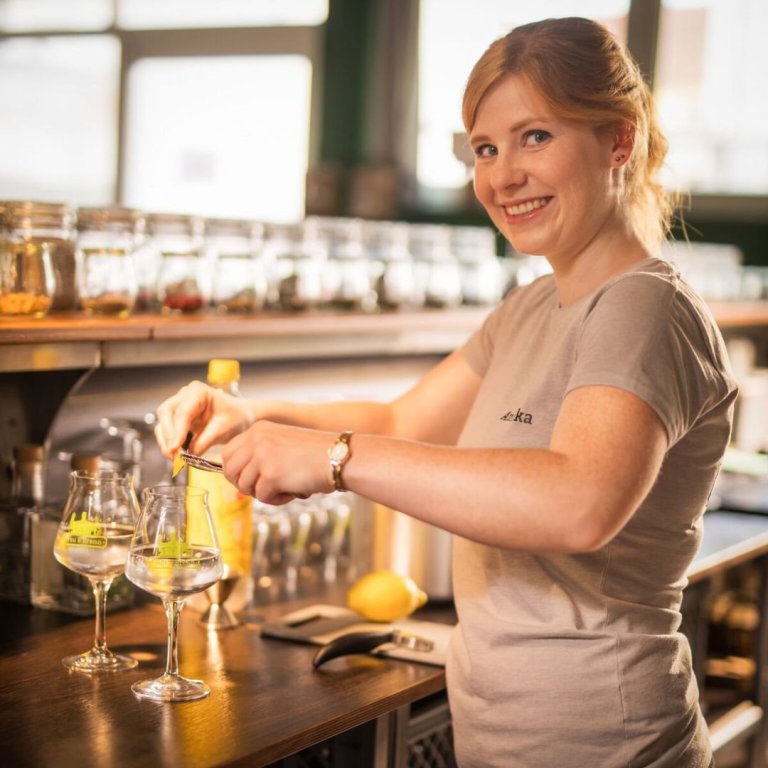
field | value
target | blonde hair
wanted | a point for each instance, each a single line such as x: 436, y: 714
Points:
x: 585, y: 75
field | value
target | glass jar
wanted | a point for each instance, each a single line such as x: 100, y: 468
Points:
x: 299, y: 261
x: 106, y: 242
x: 239, y: 282
x: 183, y: 282
x: 33, y: 230
x: 483, y: 278
x: 348, y: 275
x: 392, y: 263
x: 27, y: 283
x: 438, y: 272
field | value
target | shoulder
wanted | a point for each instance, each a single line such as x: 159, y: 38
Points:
x: 656, y: 290
x: 655, y: 309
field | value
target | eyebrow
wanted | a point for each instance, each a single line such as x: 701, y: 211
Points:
x: 514, y: 128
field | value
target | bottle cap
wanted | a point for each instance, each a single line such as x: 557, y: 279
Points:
x: 28, y: 452
x: 223, y: 372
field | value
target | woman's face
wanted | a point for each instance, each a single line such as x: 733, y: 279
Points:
x: 547, y: 183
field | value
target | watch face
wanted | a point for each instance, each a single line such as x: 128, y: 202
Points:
x: 338, y: 451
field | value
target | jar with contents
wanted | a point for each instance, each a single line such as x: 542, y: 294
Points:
x: 36, y: 233
x: 348, y: 273
x: 239, y: 283
x: 392, y: 264
x: 106, y: 242
x: 482, y: 275
x: 438, y: 269
x: 299, y: 261
x: 27, y: 283
x: 183, y: 283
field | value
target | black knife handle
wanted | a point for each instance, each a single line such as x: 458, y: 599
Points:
x: 352, y: 642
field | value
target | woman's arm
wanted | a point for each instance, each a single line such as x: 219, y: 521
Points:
x: 433, y: 410
x: 606, y: 451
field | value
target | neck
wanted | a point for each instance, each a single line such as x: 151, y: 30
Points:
x: 577, y: 277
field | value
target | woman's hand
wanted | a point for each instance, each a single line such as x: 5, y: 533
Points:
x: 211, y: 415
x: 276, y: 463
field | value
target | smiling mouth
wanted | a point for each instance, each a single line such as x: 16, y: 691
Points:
x: 526, y: 207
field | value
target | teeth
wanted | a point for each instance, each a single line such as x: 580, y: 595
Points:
x: 527, y: 207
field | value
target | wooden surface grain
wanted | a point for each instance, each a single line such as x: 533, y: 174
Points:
x: 266, y: 702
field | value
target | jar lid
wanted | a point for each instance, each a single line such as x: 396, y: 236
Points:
x: 109, y: 216
x: 222, y: 371
x: 174, y: 224
x: 28, y: 214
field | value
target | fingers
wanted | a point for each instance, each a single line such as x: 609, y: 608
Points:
x: 276, y: 463
x: 180, y: 414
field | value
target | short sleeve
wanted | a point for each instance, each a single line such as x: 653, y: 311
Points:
x: 645, y: 335
x: 479, y: 347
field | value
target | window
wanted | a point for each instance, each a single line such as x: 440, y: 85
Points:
x: 179, y: 106
x: 152, y: 14
x: 31, y: 15
x: 222, y: 136
x: 58, y: 128
x: 711, y: 69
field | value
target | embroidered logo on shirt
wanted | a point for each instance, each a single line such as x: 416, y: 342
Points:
x: 518, y: 415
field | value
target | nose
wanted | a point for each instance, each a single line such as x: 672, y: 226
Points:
x: 508, y: 171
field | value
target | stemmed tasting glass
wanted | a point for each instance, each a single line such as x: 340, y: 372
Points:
x: 174, y: 553
x: 93, y: 540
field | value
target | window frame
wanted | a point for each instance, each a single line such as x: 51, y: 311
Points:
x: 136, y: 44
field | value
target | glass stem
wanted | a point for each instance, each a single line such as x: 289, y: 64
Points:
x: 172, y: 611
x: 100, y: 589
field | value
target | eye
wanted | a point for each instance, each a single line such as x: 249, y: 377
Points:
x: 536, y: 137
x: 485, y: 150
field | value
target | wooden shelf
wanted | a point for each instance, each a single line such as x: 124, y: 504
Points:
x: 75, y: 341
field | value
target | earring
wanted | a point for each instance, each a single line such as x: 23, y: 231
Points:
x: 619, y: 158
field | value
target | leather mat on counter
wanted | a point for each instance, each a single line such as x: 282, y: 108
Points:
x: 319, y: 624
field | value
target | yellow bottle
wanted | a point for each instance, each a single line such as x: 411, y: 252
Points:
x: 231, y: 510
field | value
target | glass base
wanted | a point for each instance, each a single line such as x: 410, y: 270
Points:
x: 95, y: 661
x: 171, y: 688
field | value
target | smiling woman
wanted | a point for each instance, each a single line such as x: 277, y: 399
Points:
x: 570, y: 443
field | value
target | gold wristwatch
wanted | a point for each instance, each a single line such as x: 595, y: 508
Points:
x: 339, y: 454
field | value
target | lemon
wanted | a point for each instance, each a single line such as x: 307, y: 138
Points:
x: 385, y: 596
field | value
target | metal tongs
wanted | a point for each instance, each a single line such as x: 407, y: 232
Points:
x: 363, y: 642
x: 193, y: 460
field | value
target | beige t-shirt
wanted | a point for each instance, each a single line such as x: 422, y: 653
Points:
x: 564, y: 660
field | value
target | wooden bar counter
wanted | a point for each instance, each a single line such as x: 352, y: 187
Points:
x: 266, y: 699
x: 267, y: 702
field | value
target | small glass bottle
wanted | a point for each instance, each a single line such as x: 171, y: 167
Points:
x: 106, y: 243
x: 29, y: 473
x: 33, y: 230
x: 16, y: 516
x: 183, y: 282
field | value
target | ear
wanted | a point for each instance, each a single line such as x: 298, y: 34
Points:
x: 623, y: 141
